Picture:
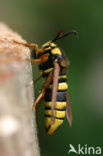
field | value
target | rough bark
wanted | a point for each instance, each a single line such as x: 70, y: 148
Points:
x: 18, y: 135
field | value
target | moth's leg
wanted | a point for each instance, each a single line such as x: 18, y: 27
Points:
x: 45, y: 86
x: 30, y: 45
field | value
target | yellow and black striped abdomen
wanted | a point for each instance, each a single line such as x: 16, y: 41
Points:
x: 60, y: 108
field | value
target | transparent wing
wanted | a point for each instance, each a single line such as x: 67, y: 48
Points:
x: 69, y: 111
x: 64, y: 62
x: 54, y: 90
x: 67, y: 62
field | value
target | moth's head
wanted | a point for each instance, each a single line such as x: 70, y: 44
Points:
x: 44, y: 50
x: 48, y: 45
x: 51, y: 44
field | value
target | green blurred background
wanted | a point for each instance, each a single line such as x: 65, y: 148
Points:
x: 39, y: 21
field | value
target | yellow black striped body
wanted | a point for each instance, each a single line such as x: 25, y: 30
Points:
x: 60, y: 108
x: 45, y: 68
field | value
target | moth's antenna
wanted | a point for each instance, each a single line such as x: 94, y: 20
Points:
x: 60, y: 35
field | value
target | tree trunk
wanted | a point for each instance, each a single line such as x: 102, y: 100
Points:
x: 18, y: 134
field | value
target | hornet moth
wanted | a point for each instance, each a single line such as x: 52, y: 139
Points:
x: 53, y: 65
